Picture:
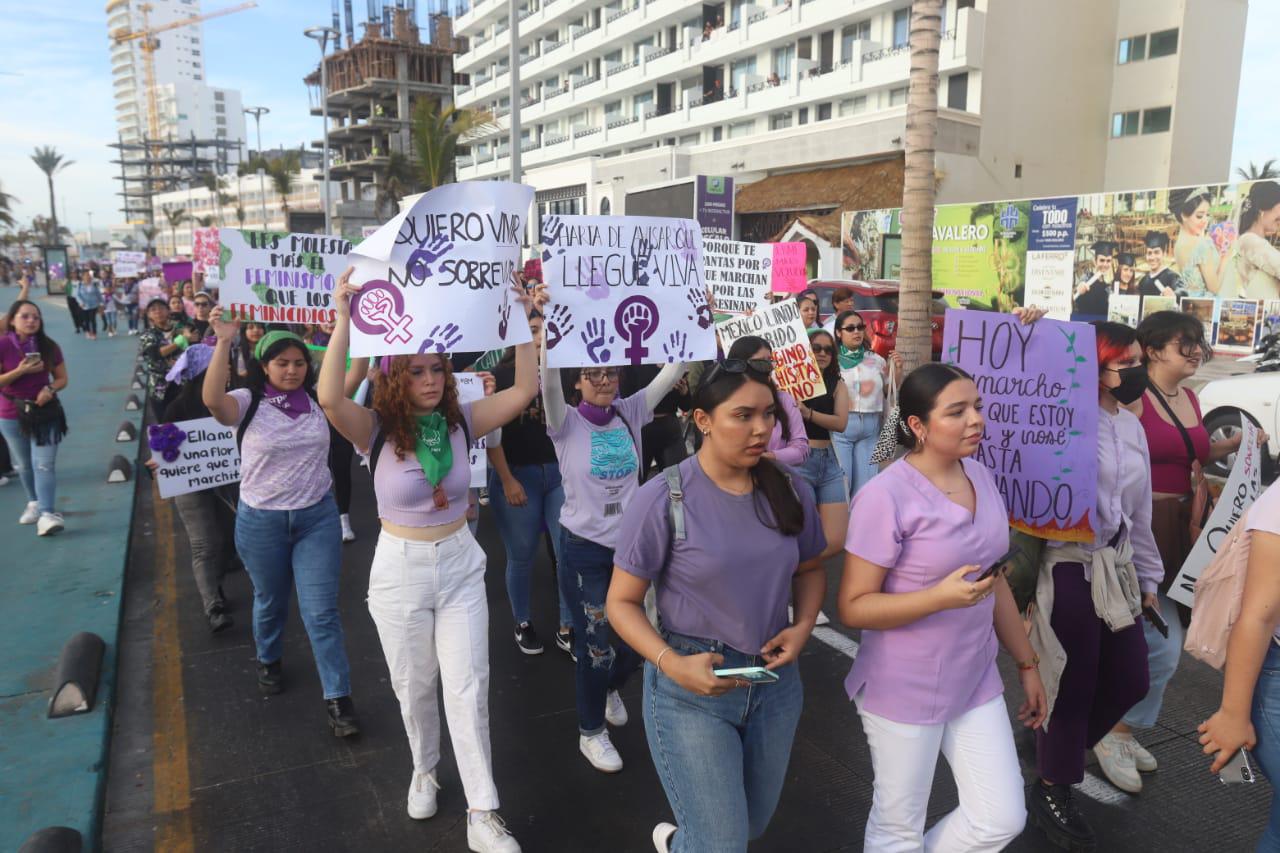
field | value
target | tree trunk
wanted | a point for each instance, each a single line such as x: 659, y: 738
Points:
x: 914, y: 339
x: 53, y: 214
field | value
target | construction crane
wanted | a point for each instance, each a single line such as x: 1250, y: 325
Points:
x: 149, y: 44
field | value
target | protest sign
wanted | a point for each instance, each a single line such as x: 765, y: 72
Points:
x: 205, y: 252
x: 625, y: 290
x: 795, y: 370
x: 438, y: 277
x: 207, y: 457
x: 470, y: 389
x: 278, y: 277
x: 149, y: 289
x: 175, y: 271
x: 128, y: 264
x: 738, y: 275
x: 1244, y: 484
x: 789, y: 272
x: 1039, y: 390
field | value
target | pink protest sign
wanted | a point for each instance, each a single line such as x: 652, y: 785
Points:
x: 789, y: 273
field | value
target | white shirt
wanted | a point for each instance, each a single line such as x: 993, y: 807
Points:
x: 866, y: 384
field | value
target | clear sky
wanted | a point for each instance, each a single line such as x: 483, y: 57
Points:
x: 55, y: 89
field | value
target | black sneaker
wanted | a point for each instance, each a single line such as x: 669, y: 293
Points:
x: 1052, y: 808
x: 219, y: 621
x: 527, y: 639
x: 342, y: 717
x: 564, y: 642
x: 270, y: 681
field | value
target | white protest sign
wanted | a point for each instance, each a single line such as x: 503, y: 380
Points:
x: 470, y: 389
x: 738, y: 275
x: 1242, y: 489
x: 438, y: 277
x: 625, y: 290
x: 207, y: 457
x: 795, y: 370
x: 128, y: 264
x: 278, y: 277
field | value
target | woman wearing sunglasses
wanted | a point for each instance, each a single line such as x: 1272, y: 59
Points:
x: 865, y: 374
x: 597, y: 442
x: 824, y: 416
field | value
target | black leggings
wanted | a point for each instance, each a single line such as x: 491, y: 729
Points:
x: 89, y: 320
x: 340, y: 455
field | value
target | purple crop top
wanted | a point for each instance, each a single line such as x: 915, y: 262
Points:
x: 402, y: 490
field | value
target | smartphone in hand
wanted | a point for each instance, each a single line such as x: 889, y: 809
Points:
x: 998, y: 565
x: 753, y: 674
x: 1157, y: 621
x: 1238, y: 770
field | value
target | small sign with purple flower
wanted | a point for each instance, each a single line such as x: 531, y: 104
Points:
x: 193, y: 456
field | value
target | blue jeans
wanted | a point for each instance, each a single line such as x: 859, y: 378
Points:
x: 1266, y: 725
x: 131, y: 311
x: 1162, y: 661
x: 301, y: 548
x: 109, y: 321
x: 722, y: 760
x: 854, y: 447
x: 822, y: 471
x: 34, y: 464
x: 586, y: 569
x: 521, y: 528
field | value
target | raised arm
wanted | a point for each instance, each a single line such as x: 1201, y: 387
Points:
x: 348, y: 417
x: 796, y: 450
x: 662, y: 384
x: 505, y: 406
x: 213, y: 393
x: 553, y: 404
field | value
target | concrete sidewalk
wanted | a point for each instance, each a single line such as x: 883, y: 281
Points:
x: 52, y: 772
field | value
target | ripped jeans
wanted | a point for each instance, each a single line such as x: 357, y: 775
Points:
x: 604, y: 661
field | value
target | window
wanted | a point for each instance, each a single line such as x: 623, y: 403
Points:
x: 778, y: 121
x: 901, y: 27
x: 739, y: 71
x: 717, y: 133
x: 850, y: 34
x: 1124, y: 124
x: 803, y: 116
x: 739, y: 129
x: 958, y: 91
x: 824, y: 112
x: 1132, y: 50
x: 852, y: 106
x: 782, y: 57
x: 690, y: 139
x: 195, y: 53
x: 605, y: 207
x: 219, y: 95
x: 612, y: 110
x: 219, y: 108
x: 1163, y: 43
x: 898, y: 97
x: 641, y: 103
x: 1157, y: 120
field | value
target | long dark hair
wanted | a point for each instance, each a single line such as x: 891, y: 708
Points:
x: 785, y: 512
x: 745, y: 348
x: 845, y: 315
x: 1263, y: 195
x: 44, y: 344
x: 256, y: 381
x: 919, y: 394
x: 246, y: 345
x: 831, y: 375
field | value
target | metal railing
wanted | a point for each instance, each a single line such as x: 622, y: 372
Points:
x: 621, y: 66
x: 621, y: 122
x: 585, y: 131
x: 620, y: 13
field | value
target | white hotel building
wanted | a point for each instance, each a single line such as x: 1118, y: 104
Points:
x: 1036, y: 97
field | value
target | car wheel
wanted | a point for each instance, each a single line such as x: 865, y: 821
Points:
x: 1224, y: 424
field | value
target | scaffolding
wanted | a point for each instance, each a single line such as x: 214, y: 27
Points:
x: 151, y: 166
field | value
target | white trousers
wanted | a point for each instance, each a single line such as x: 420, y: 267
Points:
x: 979, y: 747
x: 428, y: 602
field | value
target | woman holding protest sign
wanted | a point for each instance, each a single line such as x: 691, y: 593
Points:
x: 426, y: 585
x: 287, y: 529
x: 925, y: 678
x: 721, y: 744
x: 597, y: 440
x: 32, y: 372
x: 824, y: 416
x: 865, y: 375
x: 788, y: 444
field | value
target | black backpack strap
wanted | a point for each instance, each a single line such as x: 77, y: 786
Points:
x: 254, y: 399
x: 1186, y: 436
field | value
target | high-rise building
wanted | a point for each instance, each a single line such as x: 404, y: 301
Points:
x: 1036, y: 97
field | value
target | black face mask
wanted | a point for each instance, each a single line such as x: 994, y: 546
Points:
x: 1133, y: 381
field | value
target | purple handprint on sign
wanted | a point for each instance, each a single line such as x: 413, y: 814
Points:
x: 593, y: 336
x: 551, y: 228
x: 558, y: 325
x: 641, y: 252
x: 675, y: 347
x: 701, y: 310
x: 430, y: 250
x: 504, y: 317
x: 441, y: 339
x: 599, y: 286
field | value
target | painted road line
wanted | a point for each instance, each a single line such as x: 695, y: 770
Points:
x: 837, y: 641
x: 1103, y: 792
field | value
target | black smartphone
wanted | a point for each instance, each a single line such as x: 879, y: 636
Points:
x: 1157, y: 621
x: 998, y: 564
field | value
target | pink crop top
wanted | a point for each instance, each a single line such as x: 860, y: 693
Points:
x: 1170, y: 467
x: 403, y: 493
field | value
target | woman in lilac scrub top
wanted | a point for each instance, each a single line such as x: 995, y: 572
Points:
x: 925, y: 679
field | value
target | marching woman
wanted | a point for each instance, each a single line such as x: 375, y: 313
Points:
x: 721, y: 744
x: 287, y: 530
x: 426, y: 585
x: 824, y: 416
x: 250, y: 333
x: 788, y: 444
x: 597, y: 441
x: 865, y: 374
x: 925, y: 679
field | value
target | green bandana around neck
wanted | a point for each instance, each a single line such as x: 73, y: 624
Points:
x: 433, y: 448
x: 851, y: 357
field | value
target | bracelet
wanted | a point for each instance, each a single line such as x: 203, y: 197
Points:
x: 658, y: 663
x: 1024, y: 665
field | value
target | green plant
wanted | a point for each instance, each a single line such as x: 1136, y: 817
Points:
x: 49, y: 161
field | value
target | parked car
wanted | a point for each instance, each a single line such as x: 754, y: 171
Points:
x: 1253, y: 395
x: 877, y: 302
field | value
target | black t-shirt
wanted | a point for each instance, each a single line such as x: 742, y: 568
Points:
x: 634, y: 379
x: 524, y: 440
x: 826, y: 404
x: 1154, y: 285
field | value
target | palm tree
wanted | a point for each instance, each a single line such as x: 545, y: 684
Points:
x: 49, y: 161
x: 436, y: 133
x: 1253, y: 173
x: 149, y: 234
x: 205, y: 221
x: 282, y: 181
x: 394, y: 183
x: 6, y: 211
x: 176, y: 217
x: 240, y: 215
x: 918, y: 185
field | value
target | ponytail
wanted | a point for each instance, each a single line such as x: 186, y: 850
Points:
x: 786, y: 513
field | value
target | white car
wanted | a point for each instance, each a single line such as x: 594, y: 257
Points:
x: 1255, y: 395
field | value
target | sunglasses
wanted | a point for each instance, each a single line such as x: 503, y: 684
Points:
x: 857, y: 327
x: 761, y: 368
x: 596, y: 376
x: 823, y: 348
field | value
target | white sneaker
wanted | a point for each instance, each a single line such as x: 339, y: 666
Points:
x: 598, y: 750
x: 1142, y: 759
x: 49, y: 524
x: 4, y: 481
x: 422, y: 795
x: 31, y: 514
x: 615, y: 712
x: 662, y: 835
x: 348, y: 535
x: 486, y: 833
x: 1115, y: 755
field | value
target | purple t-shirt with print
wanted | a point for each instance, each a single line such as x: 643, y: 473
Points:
x: 26, y: 387
x: 729, y: 579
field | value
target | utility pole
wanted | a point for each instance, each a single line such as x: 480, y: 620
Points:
x: 513, y: 54
x: 257, y: 113
x: 321, y: 36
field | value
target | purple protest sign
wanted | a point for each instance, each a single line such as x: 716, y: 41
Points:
x: 789, y: 273
x: 1040, y: 396
x: 175, y: 271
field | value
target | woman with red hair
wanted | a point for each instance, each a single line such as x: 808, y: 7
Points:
x: 426, y: 585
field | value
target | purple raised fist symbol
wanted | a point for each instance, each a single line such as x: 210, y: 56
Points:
x: 441, y: 339
x: 636, y: 320
x: 551, y: 228
x: 378, y: 309
x: 559, y: 324
x: 593, y: 336
x: 428, y: 252
x: 701, y: 310
x: 675, y: 347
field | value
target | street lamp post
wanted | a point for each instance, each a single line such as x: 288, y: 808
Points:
x: 257, y: 113
x: 513, y: 60
x: 322, y: 36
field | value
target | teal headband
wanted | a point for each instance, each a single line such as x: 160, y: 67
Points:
x: 271, y: 338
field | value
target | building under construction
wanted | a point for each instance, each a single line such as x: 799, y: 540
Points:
x: 373, y: 84
x: 151, y: 166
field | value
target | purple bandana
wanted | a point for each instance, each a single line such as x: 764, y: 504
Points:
x: 293, y: 403
x: 596, y: 415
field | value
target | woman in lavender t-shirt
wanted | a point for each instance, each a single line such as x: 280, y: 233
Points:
x: 746, y: 541
x: 925, y: 678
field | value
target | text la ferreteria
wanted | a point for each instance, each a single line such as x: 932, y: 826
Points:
x: 628, y: 256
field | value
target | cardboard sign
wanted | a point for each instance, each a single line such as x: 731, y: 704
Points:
x: 1242, y: 489
x: 738, y: 275
x: 1039, y: 389
x: 207, y: 458
x: 470, y: 389
x: 789, y: 272
x: 438, y: 278
x: 278, y: 277
x: 625, y: 290
x: 205, y: 253
x: 795, y: 370
x: 149, y: 289
x: 128, y: 264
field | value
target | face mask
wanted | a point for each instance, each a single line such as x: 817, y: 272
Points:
x: 1133, y: 381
